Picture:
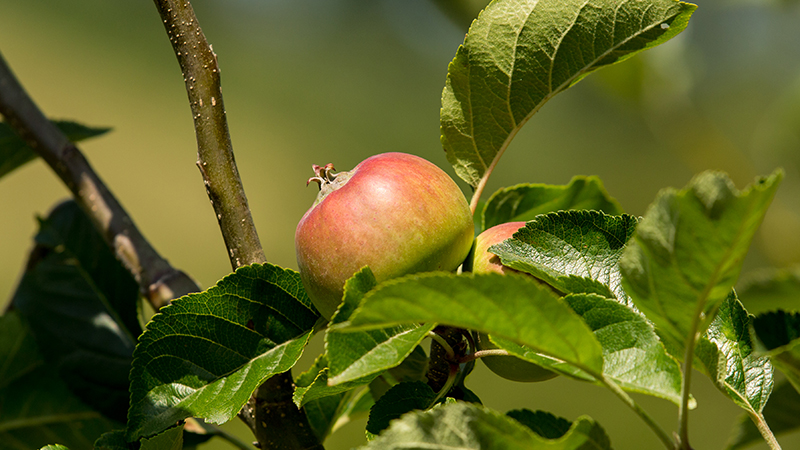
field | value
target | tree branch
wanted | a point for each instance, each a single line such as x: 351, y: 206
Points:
x: 214, y: 149
x: 275, y: 420
x: 158, y: 280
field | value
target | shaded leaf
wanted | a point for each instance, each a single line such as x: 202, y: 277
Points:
x: 782, y: 413
x: 170, y: 439
x: 563, y: 247
x: 205, y: 353
x: 729, y: 358
x: 542, y: 423
x: 511, y: 306
x: 364, y: 355
x: 36, y: 407
x: 520, y: 53
x: 779, y: 333
x: 325, y: 415
x: 113, y: 440
x: 469, y: 426
x: 400, y: 399
x: 771, y: 289
x: 14, y: 152
x: 523, y: 202
x: 81, y: 304
x: 688, y: 249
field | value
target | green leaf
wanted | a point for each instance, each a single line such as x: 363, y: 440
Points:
x: 520, y: 53
x: 771, y: 289
x: 18, y: 352
x: 468, y: 426
x: 523, y: 202
x: 561, y: 248
x: 730, y: 360
x: 779, y: 333
x: 400, y: 399
x: 313, y: 384
x: 36, y: 407
x: 113, y: 440
x: 171, y: 439
x: 688, y: 249
x: 633, y: 356
x: 364, y: 355
x: 14, y: 152
x: 782, y: 413
x: 513, y: 306
x: 81, y: 304
x: 327, y: 414
x: 54, y: 447
x: 254, y: 322
x: 542, y: 423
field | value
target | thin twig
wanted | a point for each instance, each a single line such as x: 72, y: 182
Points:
x: 270, y: 413
x: 215, y: 159
x: 158, y: 280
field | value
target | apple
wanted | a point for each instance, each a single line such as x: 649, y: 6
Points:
x: 484, y: 261
x: 394, y: 212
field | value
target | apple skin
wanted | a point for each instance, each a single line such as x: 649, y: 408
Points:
x: 483, y: 261
x: 394, y: 212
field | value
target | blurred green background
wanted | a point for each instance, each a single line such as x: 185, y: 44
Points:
x: 318, y: 81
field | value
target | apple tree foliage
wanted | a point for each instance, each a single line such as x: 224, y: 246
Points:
x: 630, y: 304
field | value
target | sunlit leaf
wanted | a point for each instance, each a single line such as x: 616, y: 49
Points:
x: 468, y: 426
x: 523, y: 202
x: 14, y: 152
x: 520, y: 53
x: 512, y: 306
x: 558, y: 247
x: 313, y: 384
x: 205, y: 353
x: 363, y: 355
x: 688, y: 249
x: 633, y: 356
x: 728, y: 355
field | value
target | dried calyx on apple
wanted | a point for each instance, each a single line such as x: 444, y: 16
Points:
x: 394, y: 212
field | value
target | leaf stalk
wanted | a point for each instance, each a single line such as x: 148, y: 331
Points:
x: 764, y: 429
x: 660, y: 432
